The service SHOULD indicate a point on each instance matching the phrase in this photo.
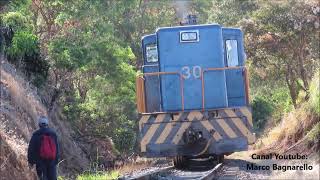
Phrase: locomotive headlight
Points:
(189, 36)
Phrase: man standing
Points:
(44, 151)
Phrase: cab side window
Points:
(232, 53)
(152, 53)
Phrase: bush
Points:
(16, 21)
(25, 53)
(22, 48)
(314, 99)
(124, 139)
(314, 133)
(261, 110)
(23, 44)
(272, 103)
(281, 103)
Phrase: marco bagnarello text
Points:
(277, 167)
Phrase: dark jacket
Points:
(34, 145)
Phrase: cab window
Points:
(232, 53)
(152, 53)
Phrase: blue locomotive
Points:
(193, 93)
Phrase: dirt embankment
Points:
(20, 107)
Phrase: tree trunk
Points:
(291, 83)
(301, 57)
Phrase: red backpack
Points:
(47, 148)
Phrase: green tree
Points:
(231, 12)
(22, 46)
(280, 41)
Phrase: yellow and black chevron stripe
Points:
(168, 128)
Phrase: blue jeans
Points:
(46, 170)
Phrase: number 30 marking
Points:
(187, 72)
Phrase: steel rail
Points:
(148, 175)
(151, 175)
(213, 173)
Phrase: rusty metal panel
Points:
(140, 94)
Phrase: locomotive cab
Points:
(151, 65)
(193, 93)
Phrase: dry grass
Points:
(19, 109)
(22, 95)
(296, 124)
(291, 129)
(298, 174)
(127, 169)
(141, 163)
(132, 167)
(13, 160)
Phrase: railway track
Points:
(171, 173)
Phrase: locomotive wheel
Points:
(220, 158)
(180, 162)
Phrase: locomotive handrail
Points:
(168, 73)
(247, 85)
(222, 69)
(246, 81)
(149, 65)
(140, 94)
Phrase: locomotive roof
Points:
(234, 29)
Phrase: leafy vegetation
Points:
(261, 110)
(314, 99)
(16, 21)
(282, 36)
(296, 124)
(315, 134)
(22, 47)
